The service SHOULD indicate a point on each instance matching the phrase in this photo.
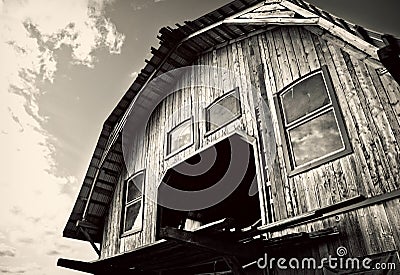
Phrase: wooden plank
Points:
(393, 214)
(90, 240)
(339, 189)
(270, 7)
(253, 60)
(244, 50)
(375, 151)
(299, 52)
(301, 194)
(291, 55)
(276, 167)
(356, 161)
(352, 39)
(387, 106)
(359, 54)
(386, 143)
(349, 173)
(214, 25)
(364, 136)
(274, 21)
(269, 14)
(309, 49)
(76, 265)
(211, 243)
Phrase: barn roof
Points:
(179, 47)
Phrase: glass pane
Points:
(223, 111)
(135, 185)
(180, 136)
(315, 139)
(133, 215)
(304, 98)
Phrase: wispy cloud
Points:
(25, 269)
(33, 201)
(6, 251)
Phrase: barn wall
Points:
(263, 65)
(370, 106)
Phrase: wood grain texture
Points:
(261, 66)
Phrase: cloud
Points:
(6, 251)
(11, 270)
(34, 199)
(26, 269)
(53, 253)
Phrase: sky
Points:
(63, 67)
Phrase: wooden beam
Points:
(275, 21)
(326, 212)
(89, 239)
(210, 242)
(363, 34)
(88, 225)
(300, 238)
(335, 30)
(275, 14)
(217, 225)
(212, 26)
(76, 265)
(270, 7)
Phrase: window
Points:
(223, 111)
(311, 122)
(133, 204)
(180, 137)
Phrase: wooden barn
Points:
(262, 130)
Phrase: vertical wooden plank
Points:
(299, 52)
(385, 129)
(309, 49)
(277, 168)
(346, 94)
(360, 177)
(293, 60)
(377, 124)
(276, 71)
(254, 62)
(246, 85)
(393, 93)
(282, 58)
(387, 106)
(393, 214)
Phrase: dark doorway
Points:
(233, 156)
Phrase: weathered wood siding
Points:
(266, 63)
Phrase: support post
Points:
(89, 239)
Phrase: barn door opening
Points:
(216, 183)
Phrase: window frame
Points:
(126, 204)
(215, 102)
(333, 107)
(168, 152)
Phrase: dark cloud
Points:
(7, 251)
(53, 252)
(8, 270)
